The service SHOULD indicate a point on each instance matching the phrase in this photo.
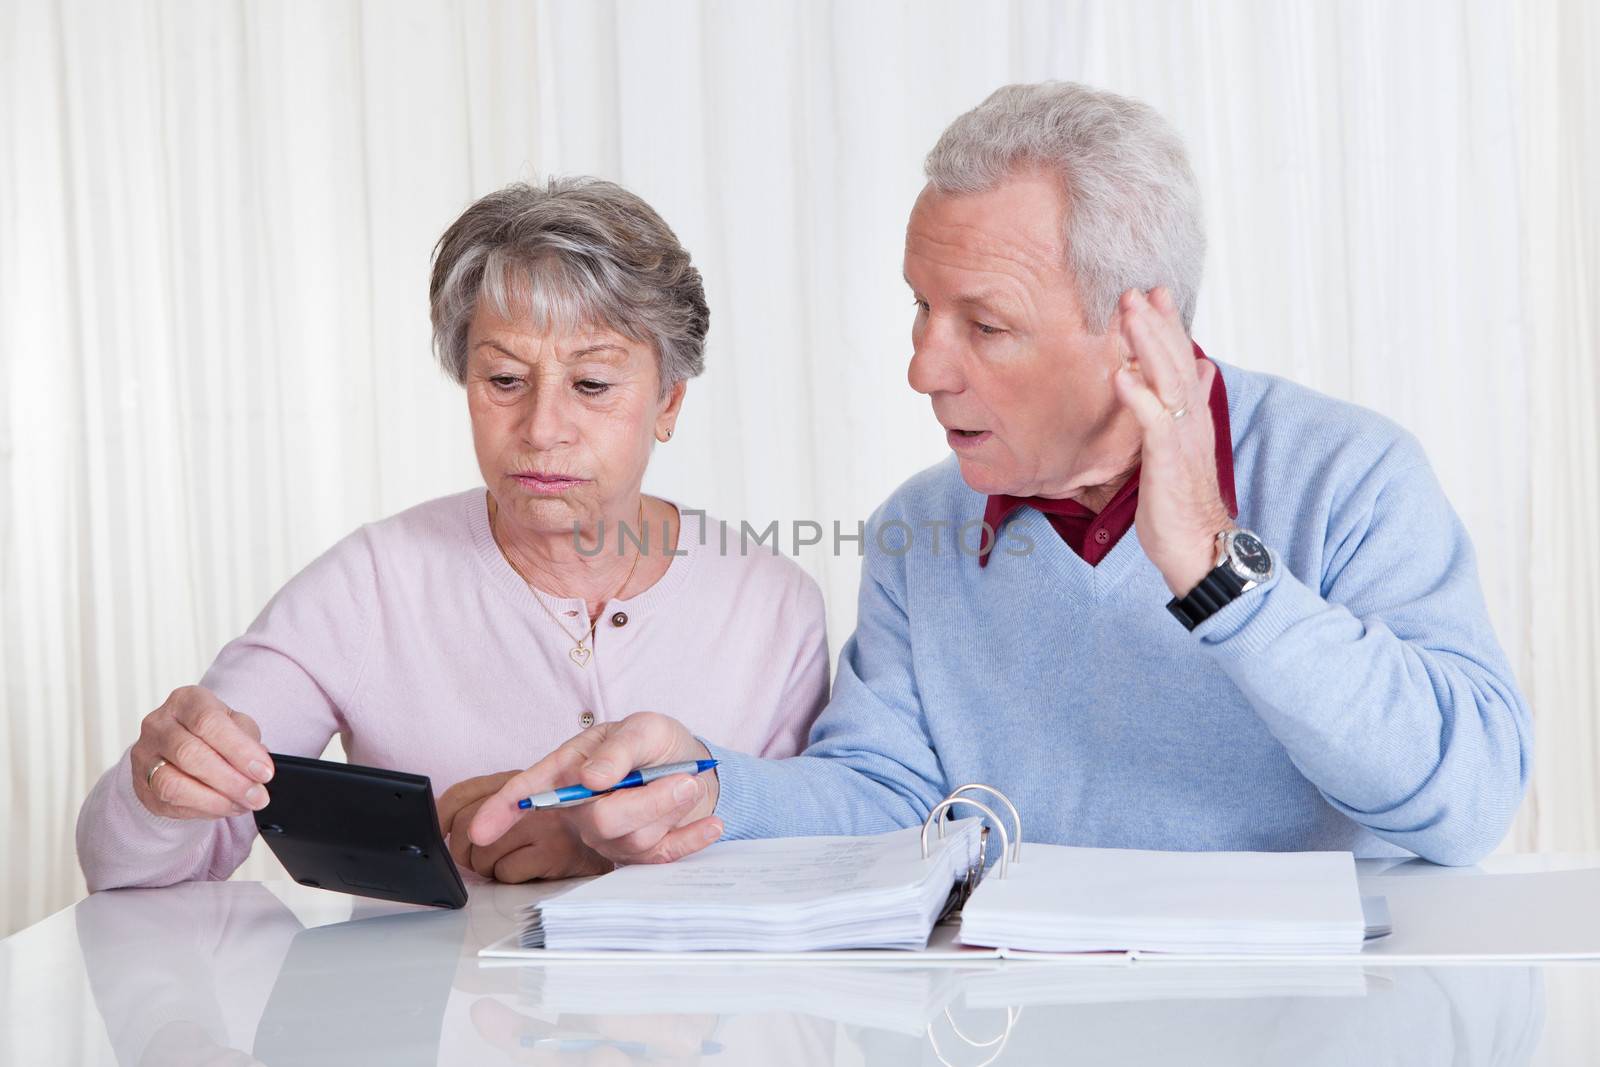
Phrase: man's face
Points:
(1021, 387)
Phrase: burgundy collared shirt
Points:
(1091, 535)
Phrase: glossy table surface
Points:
(229, 973)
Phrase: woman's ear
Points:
(667, 418)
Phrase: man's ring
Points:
(1180, 413)
(150, 775)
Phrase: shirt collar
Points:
(1119, 510)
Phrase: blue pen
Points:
(571, 794)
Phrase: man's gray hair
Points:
(573, 253)
(1134, 219)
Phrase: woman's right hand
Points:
(216, 765)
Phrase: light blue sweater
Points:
(1356, 701)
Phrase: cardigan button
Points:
(586, 719)
(619, 619)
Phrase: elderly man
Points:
(1127, 661)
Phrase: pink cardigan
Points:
(415, 641)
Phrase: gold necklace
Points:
(581, 652)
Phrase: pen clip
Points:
(579, 801)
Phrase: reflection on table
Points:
(230, 973)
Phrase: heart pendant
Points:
(580, 656)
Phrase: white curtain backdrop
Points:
(215, 224)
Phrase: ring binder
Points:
(951, 801)
(1009, 844)
(1066, 900)
(1016, 842)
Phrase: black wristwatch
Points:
(1243, 562)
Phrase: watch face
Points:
(1250, 556)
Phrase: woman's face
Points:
(562, 423)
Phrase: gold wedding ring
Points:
(150, 775)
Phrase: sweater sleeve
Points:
(871, 764)
(294, 671)
(1385, 682)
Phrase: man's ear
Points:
(1117, 345)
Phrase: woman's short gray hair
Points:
(573, 253)
(1134, 219)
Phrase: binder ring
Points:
(950, 802)
(1016, 819)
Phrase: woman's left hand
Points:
(539, 844)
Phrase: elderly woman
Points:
(475, 632)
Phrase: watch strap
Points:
(1216, 591)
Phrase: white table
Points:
(243, 972)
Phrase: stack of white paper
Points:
(781, 895)
(1060, 899)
